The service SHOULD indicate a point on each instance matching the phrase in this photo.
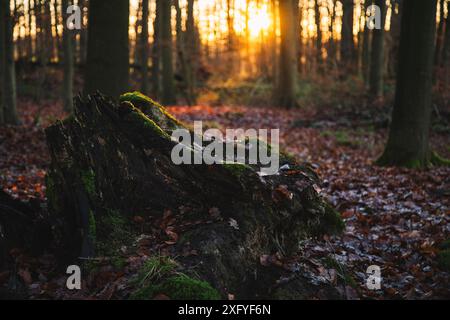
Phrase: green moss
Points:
(237, 169)
(444, 259)
(92, 226)
(341, 270)
(149, 106)
(50, 191)
(158, 276)
(113, 232)
(141, 121)
(332, 220)
(179, 287)
(342, 138)
(445, 245)
(88, 179)
(437, 160)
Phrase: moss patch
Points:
(114, 231)
(437, 160)
(158, 276)
(343, 274)
(151, 108)
(88, 180)
(444, 259)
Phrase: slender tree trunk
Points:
(285, 95)
(57, 39)
(68, 62)
(377, 56)
(137, 50)
(2, 60)
(318, 34)
(332, 43)
(440, 39)
(446, 54)
(144, 46)
(107, 67)
(366, 46)
(298, 11)
(394, 37)
(231, 37)
(83, 42)
(409, 132)
(168, 88)
(156, 51)
(347, 43)
(9, 94)
(192, 53)
(274, 43)
(30, 53)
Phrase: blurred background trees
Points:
(281, 53)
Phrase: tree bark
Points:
(68, 60)
(9, 93)
(287, 76)
(347, 43)
(156, 51)
(145, 47)
(318, 35)
(366, 46)
(168, 87)
(409, 132)
(107, 67)
(192, 53)
(115, 159)
(377, 56)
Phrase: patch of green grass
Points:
(342, 138)
(341, 270)
(444, 259)
(88, 179)
(158, 276)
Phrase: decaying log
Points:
(114, 159)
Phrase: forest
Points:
(224, 150)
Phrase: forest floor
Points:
(395, 218)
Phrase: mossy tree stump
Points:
(115, 157)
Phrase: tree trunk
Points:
(366, 47)
(347, 43)
(192, 53)
(113, 162)
(446, 54)
(108, 49)
(377, 56)
(83, 39)
(168, 87)
(68, 60)
(394, 38)
(318, 35)
(9, 94)
(287, 81)
(156, 51)
(144, 46)
(409, 132)
(440, 39)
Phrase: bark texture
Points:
(408, 142)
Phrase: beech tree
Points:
(409, 131)
(168, 87)
(8, 70)
(377, 56)
(287, 75)
(107, 68)
(68, 58)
